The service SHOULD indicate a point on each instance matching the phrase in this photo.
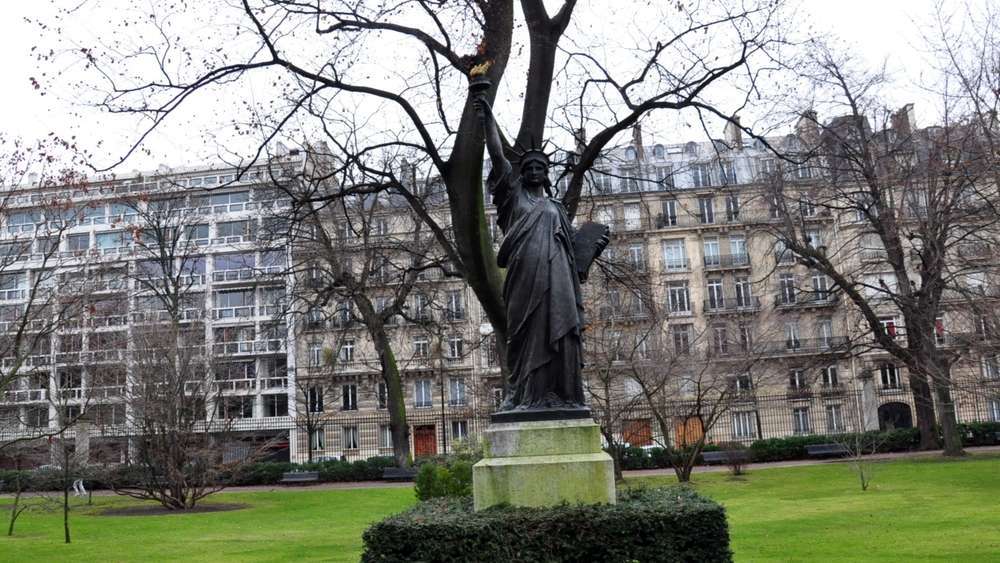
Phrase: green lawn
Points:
(915, 510)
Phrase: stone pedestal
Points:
(544, 463)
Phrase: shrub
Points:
(980, 433)
(794, 447)
(671, 524)
(437, 481)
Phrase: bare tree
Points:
(685, 57)
(364, 257)
(913, 205)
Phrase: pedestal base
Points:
(544, 463)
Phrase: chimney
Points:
(903, 121)
(580, 139)
(733, 133)
(637, 142)
(807, 128)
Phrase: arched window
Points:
(658, 151)
(630, 153)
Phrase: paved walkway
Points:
(978, 451)
(752, 466)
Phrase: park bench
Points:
(399, 474)
(299, 477)
(725, 456)
(827, 450)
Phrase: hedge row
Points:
(267, 473)
(794, 447)
(670, 524)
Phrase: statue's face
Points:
(534, 172)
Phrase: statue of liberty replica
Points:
(544, 446)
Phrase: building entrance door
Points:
(424, 440)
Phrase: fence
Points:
(744, 418)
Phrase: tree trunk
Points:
(66, 512)
(923, 404)
(396, 400)
(949, 423)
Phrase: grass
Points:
(915, 510)
(928, 509)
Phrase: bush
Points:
(980, 433)
(671, 524)
(794, 447)
(436, 480)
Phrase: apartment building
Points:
(694, 280)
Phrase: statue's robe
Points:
(542, 295)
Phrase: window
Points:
(315, 355)
(701, 175)
(744, 425)
(459, 429)
(664, 177)
(456, 391)
(455, 308)
(229, 267)
(317, 440)
(346, 354)
(674, 255)
(786, 289)
(637, 257)
(382, 395)
(834, 418)
(828, 376)
(315, 399)
(350, 438)
(745, 331)
(940, 336)
(716, 299)
(196, 233)
(820, 286)
(742, 383)
(732, 207)
(236, 407)
(677, 293)
(744, 292)
(384, 436)
(421, 308)
(421, 347)
(766, 167)
(633, 217)
(792, 341)
(993, 407)
(668, 218)
(349, 393)
(797, 380)
(78, 243)
(807, 207)
(682, 338)
(728, 172)
(234, 231)
(706, 210)
(275, 405)
(738, 250)
(800, 420)
(422, 393)
(824, 332)
(498, 397)
(814, 238)
(710, 248)
(889, 326)
(991, 367)
(455, 347)
(889, 375)
(720, 340)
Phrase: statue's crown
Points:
(532, 153)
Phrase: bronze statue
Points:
(546, 260)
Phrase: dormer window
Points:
(658, 151)
(630, 153)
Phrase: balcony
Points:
(39, 360)
(236, 385)
(103, 356)
(240, 275)
(677, 265)
(726, 262)
(874, 254)
(795, 346)
(106, 392)
(730, 305)
(832, 390)
(12, 294)
(25, 395)
(223, 313)
(622, 314)
(805, 299)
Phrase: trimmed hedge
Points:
(265, 473)
(794, 447)
(668, 524)
(435, 480)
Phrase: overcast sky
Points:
(879, 30)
